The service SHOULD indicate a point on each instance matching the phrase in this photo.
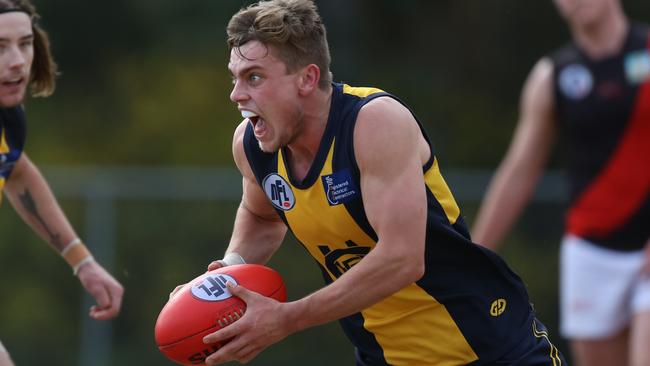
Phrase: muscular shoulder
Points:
(386, 129)
(385, 119)
(542, 71)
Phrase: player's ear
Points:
(309, 76)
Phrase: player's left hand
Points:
(263, 324)
(105, 289)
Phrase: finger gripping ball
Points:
(205, 305)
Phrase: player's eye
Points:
(254, 78)
(26, 44)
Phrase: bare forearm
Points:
(376, 277)
(518, 174)
(505, 199)
(256, 238)
(32, 198)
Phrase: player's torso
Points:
(324, 210)
(12, 141)
(603, 107)
(325, 213)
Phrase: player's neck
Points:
(302, 151)
(603, 39)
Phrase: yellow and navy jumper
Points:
(468, 307)
(12, 141)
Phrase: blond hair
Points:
(293, 27)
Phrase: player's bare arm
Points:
(258, 230)
(394, 197)
(516, 177)
(32, 198)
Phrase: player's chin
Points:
(12, 100)
(269, 147)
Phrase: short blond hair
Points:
(293, 27)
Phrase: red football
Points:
(205, 305)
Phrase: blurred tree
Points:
(145, 83)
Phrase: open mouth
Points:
(13, 82)
(259, 125)
(252, 117)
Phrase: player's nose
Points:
(16, 57)
(238, 92)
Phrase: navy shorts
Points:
(535, 350)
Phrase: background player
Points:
(25, 60)
(596, 90)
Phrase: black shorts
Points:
(534, 350)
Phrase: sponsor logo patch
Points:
(339, 187)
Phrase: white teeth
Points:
(247, 114)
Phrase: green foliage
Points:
(145, 83)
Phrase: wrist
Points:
(77, 268)
(297, 316)
(76, 254)
(232, 258)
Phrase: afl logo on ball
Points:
(213, 287)
(279, 192)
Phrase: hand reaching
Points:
(105, 289)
